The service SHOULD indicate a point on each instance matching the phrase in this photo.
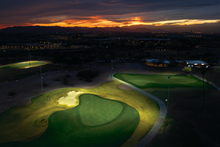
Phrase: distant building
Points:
(157, 62)
(161, 49)
(196, 63)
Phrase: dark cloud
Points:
(74, 2)
(14, 12)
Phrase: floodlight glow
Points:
(70, 99)
(187, 63)
(195, 64)
(202, 64)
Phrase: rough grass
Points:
(160, 81)
(28, 123)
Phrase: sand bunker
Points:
(124, 87)
(70, 99)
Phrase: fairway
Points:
(104, 116)
(25, 64)
(160, 81)
(68, 128)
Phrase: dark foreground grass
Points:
(160, 81)
(66, 127)
(185, 108)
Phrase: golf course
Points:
(160, 81)
(26, 64)
(20, 70)
(17, 71)
(101, 116)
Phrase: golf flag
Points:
(169, 77)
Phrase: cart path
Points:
(162, 114)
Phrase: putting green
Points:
(25, 64)
(159, 81)
(96, 111)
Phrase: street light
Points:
(168, 97)
(203, 70)
(41, 75)
(30, 57)
(111, 68)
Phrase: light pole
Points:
(168, 97)
(203, 70)
(30, 57)
(41, 76)
(111, 68)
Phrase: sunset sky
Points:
(201, 15)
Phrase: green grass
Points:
(45, 122)
(24, 64)
(160, 81)
(66, 129)
(168, 73)
(97, 111)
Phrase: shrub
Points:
(88, 75)
(67, 75)
(11, 93)
(57, 79)
(65, 82)
(187, 69)
(45, 84)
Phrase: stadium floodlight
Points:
(168, 97)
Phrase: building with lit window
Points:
(196, 63)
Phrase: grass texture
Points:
(160, 81)
(116, 118)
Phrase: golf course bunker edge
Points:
(70, 99)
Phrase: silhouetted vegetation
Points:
(11, 93)
(65, 81)
(57, 79)
(45, 84)
(67, 76)
(88, 75)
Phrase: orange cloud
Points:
(2, 26)
(97, 21)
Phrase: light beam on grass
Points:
(70, 99)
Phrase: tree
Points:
(89, 59)
(59, 59)
(187, 69)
